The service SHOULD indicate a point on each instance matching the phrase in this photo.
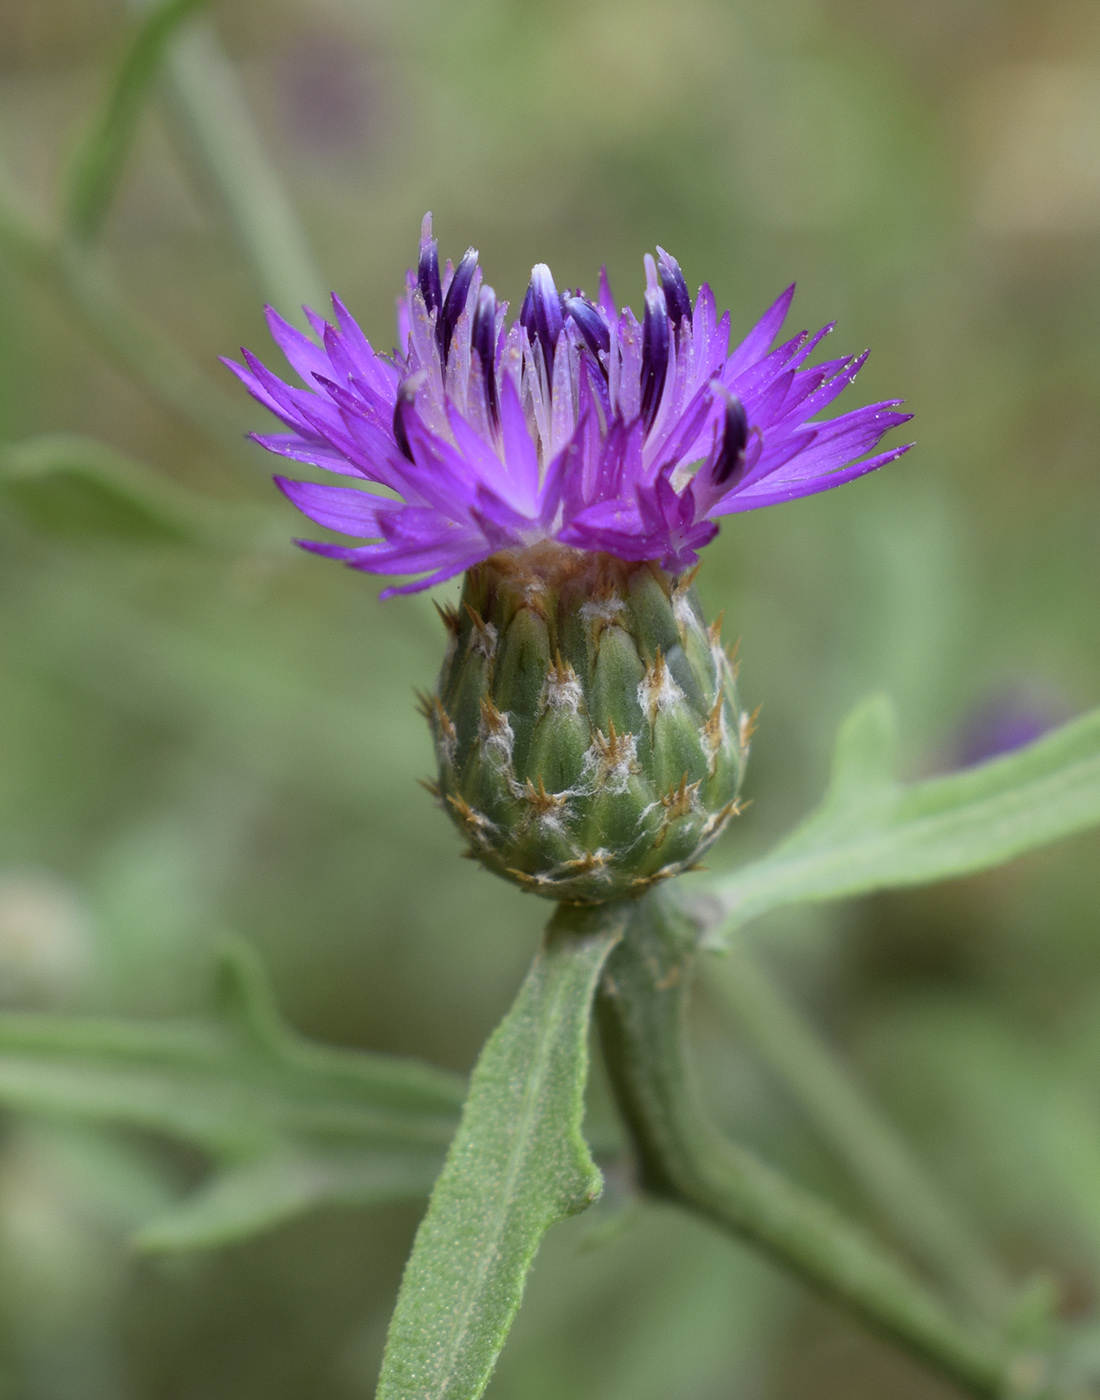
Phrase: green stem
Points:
(209, 108)
(682, 1158)
(867, 1145)
(78, 276)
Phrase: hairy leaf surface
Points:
(517, 1165)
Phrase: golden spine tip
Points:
(746, 727)
(448, 616)
(685, 581)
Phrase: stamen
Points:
(729, 467)
(655, 344)
(590, 324)
(674, 288)
(427, 275)
(485, 346)
(455, 301)
(541, 314)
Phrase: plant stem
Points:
(79, 277)
(682, 1158)
(875, 1156)
(209, 108)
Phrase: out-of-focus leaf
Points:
(209, 108)
(242, 1201)
(670, 1310)
(98, 160)
(518, 1164)
(76, 487)
(1009, 1120)
(873, 832)
(292, 1123)
(240, 684)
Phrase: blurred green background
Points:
(217, 732)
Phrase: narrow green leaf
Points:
(210, 112)
(517, 1165)
(98, 160)
(872, 832)
(74, 487)
(262, 1193)
(82, 282)
(295, 1123)
(70, 485)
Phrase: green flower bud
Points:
(586, 723)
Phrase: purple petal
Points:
(340, 508)
(298, 449)
(795, 490)
(520, 457)
(758, 341)
(304, 357)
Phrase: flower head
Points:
(575, 423)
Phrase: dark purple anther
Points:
(485, 345)
(427, 273)
(590, 324)
(541, 314)
(454, 303)
(674, 288)
(655, 344)
(406, 397)
(730, 464)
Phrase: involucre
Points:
(586, 722)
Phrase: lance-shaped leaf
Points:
(873, 832)
(289, 1123)
(517, 1165)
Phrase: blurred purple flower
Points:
(576, 423)
(325, 88)
(1007, 721)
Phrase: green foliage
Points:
(210, 113)
(873, 832)
(518, 1164)
(1011, 1123)
(98, 160)
(75, 487)
(862, 1138)
(150, 700)
(289, 1124)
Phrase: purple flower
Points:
(577, 422)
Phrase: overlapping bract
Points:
(577, 422)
